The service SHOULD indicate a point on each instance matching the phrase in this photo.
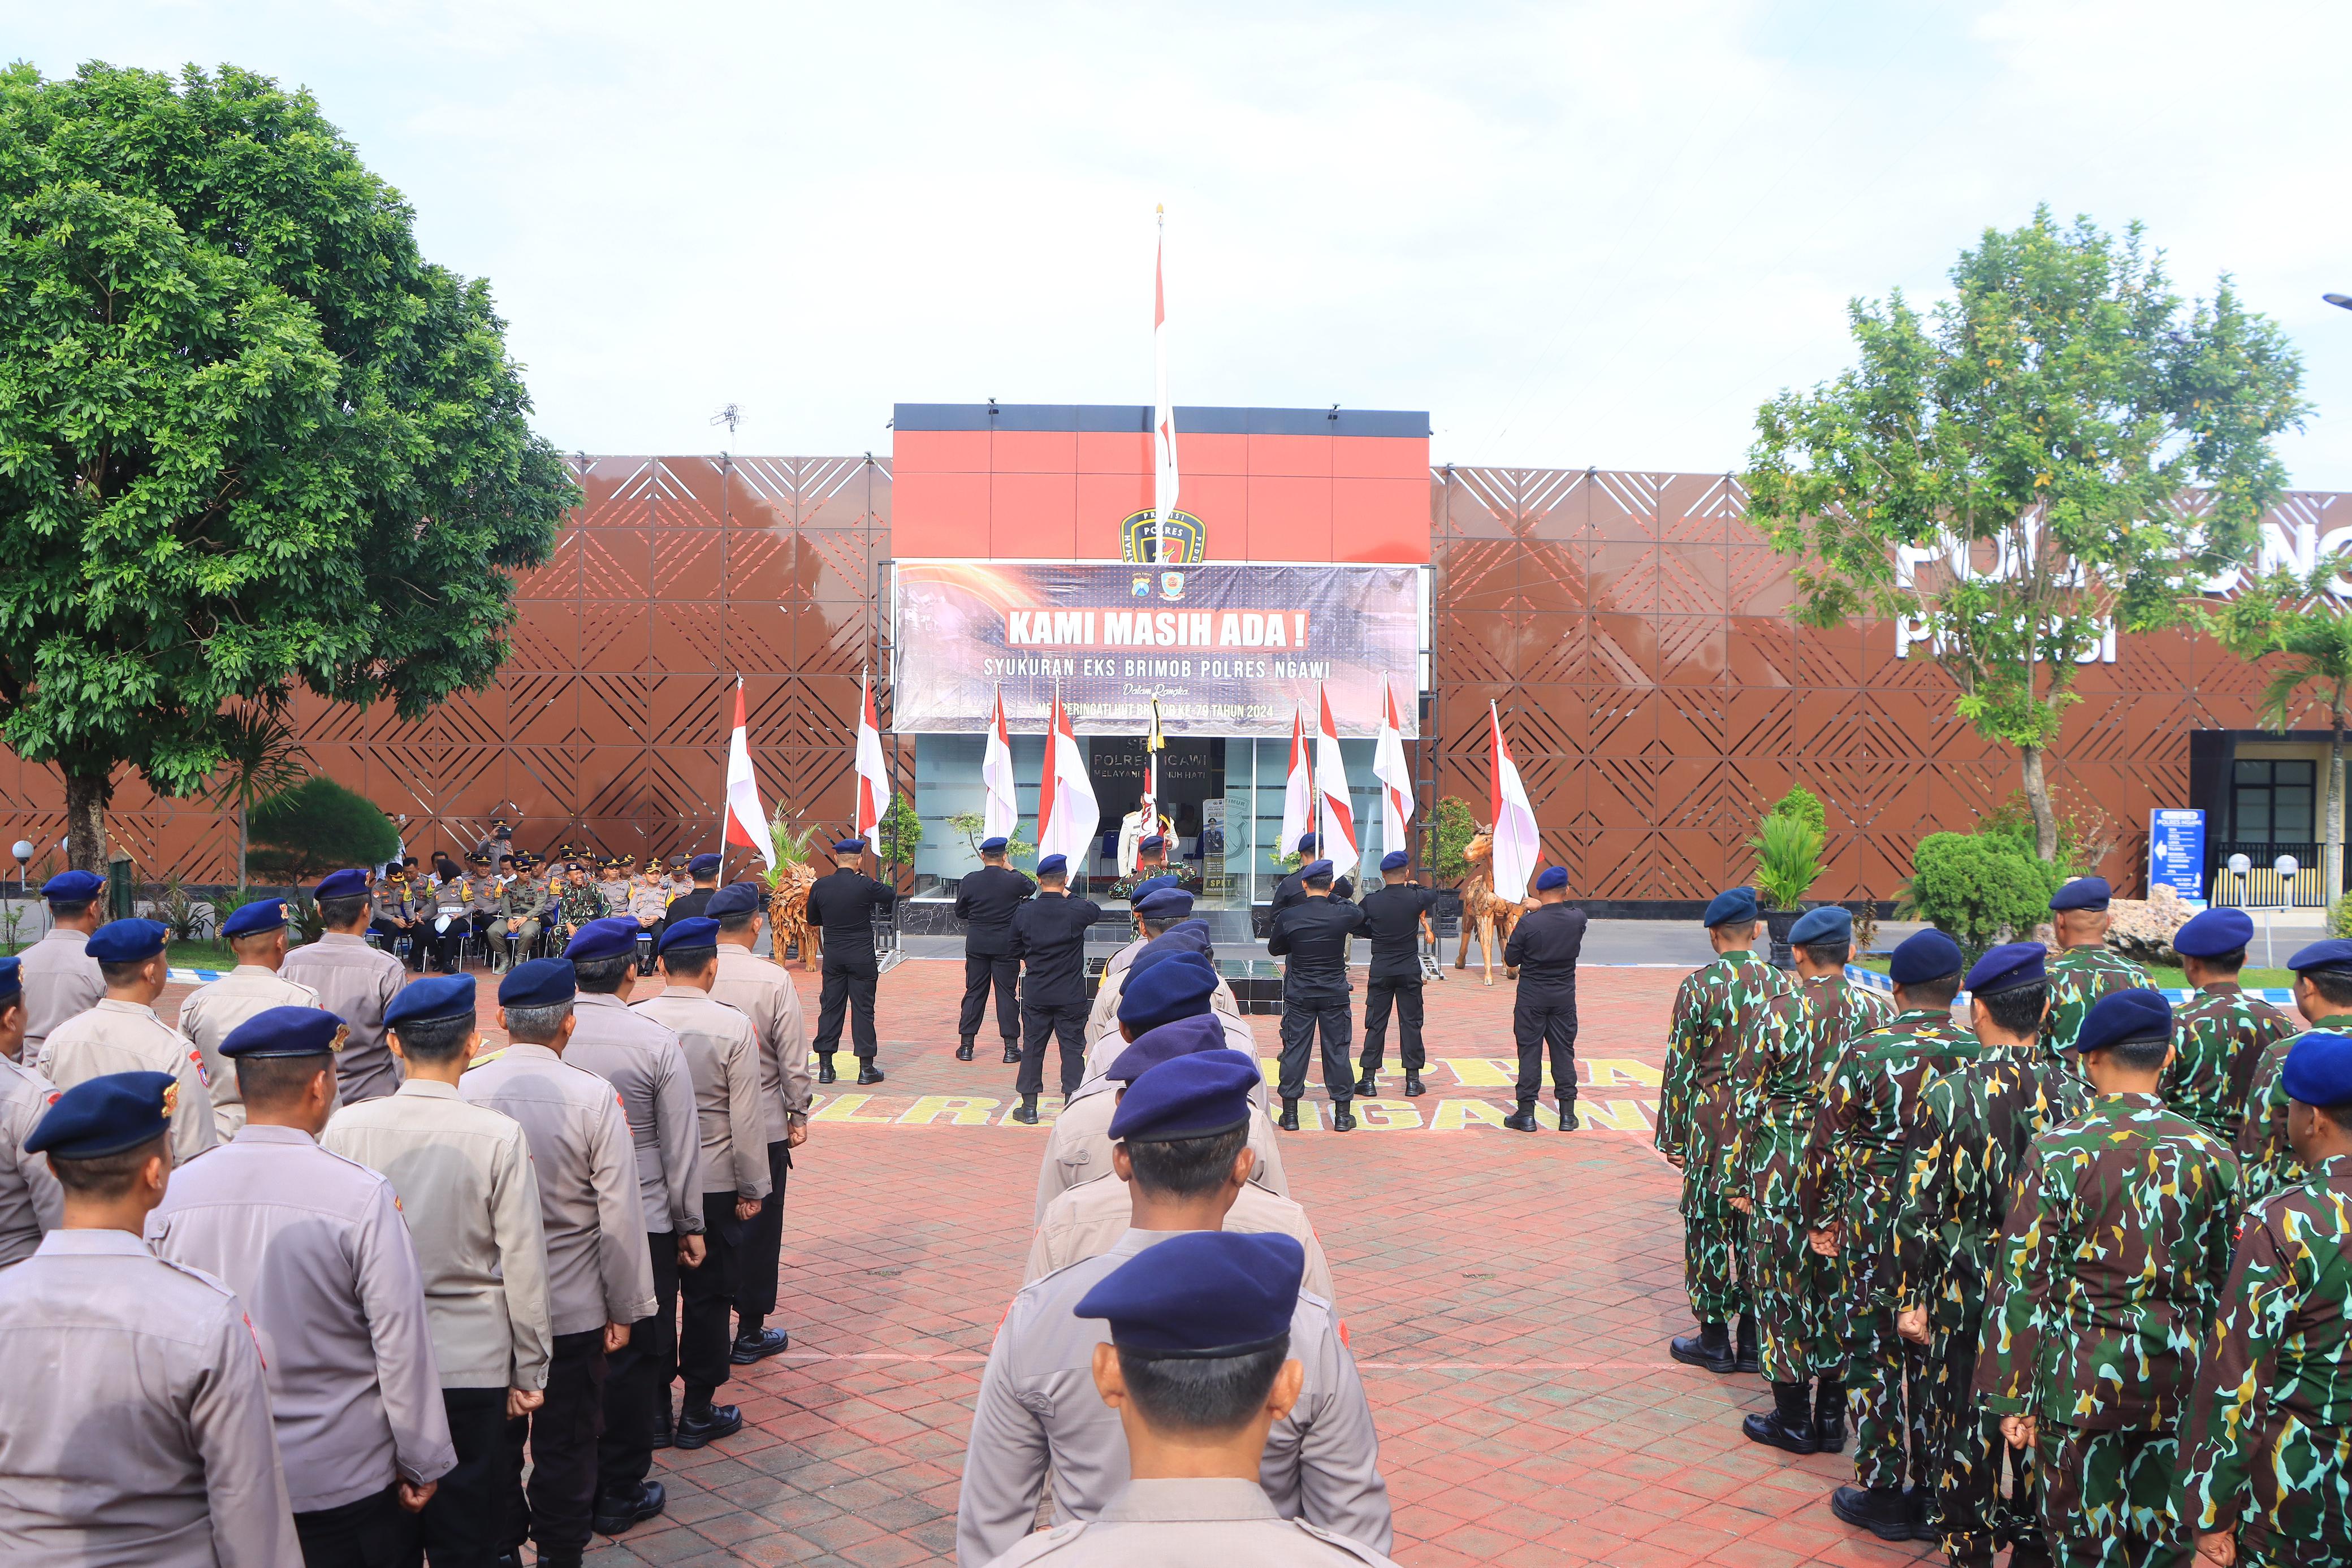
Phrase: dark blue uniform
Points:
(842, 906)
(1312, 935)
(985, 901)
(1544, 948)
(1292, 890)
(1393, 915)
(1049, 934)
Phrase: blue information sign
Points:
(2175, 853)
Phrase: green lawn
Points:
(2171, 979)
(197, 955)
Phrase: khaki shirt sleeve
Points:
(1041, 1256)
(244, 1488)
(1340, 1484)
(678, 1126)
(41, 1188)
(792, 1055)
(747, 1120)
(191, 1118)
(627, 1266)
(1316, 1280)
(521, 1236)
(1004, 1463)
(391, 1294)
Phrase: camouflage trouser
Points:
(2111, 1500)
(1715, 1251)
(1797, 1305)
(1967, 1455)
(1886, 1389)
(2299, 1507)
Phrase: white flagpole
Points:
(1163, 414)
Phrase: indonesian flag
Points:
(1067, 813)
(1389, 766)
(873, 777)
(1336, 828)
(747, 820)
(1517, 845)
(1164, 412)
(999, 813)
(1298, 793)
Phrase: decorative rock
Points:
(2141, 929)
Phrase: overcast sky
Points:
(1575, 234)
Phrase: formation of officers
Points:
(303, 1276)
(2080, 1270)
(509, 905)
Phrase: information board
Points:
(2175, 853)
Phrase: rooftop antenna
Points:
(731, 416)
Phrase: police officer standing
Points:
(256, 934)
(187, 1475)
(702, 872)
(1049, 936)
(353, 981)
(1396, 913)
(2084, 970)
(1312, 935)
(842, 907)
(985, 902)
(763, 993)
(1543, 949)
(1291, 889)
(123, 1034)
(315, 1247)
(2219, 1037)
(61, 979)
(30, 1202)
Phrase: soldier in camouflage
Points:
(2323, 995)
(2084, 970)
(1976, 1124)
(2269, 1433)
(2219, 1038)
(1848, 1184)
(1778, 1083)
(2113, 1260)
(1714, 1011)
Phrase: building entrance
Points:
(1191, 796)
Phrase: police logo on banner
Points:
(1187, 541)
(1171, 584)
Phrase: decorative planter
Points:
(1780, 923)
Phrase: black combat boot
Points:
(708, 1425)
(964, 1052)
(1027, 1113)
(1289, 1122)
(1829, 1415)
(1744, 1352)
(1882, 1511)
(1568, 1121)
(869, 1074)
(1413, 1089)
(824, 1068)
(616, 1514)
(1522, 1120)
(1368, 1083)
(1710, 1347)
(1791, 1424)
(1012, 1052)
(1343, 1120)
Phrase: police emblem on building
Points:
(1186, 539)
(1171, 584)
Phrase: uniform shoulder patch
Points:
(203, 1075)
(483, 1058)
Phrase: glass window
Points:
(2275, 800)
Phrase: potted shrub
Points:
(1788, 845)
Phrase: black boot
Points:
(662, 1439)
(1791, 1424)
(1289, 1122)
(964, 1052)
(1522, 1120)
(1829, 1415)
(1710, 1347)
(1011, 1053)
(1367, 1085)
(754, 1344)
(1412, 1088)
(1568, 1121)
(1342, 1119)
(615, 1515)
(824, 1068)
(708, 1425)
(1027, 1113)
(867, 1072)
(1744, 1350)
(1881, 1510)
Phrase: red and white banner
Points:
(1297, 790)
(1517, 845)
(1395, 774)
(873, 777)
(1337, 824)
(1067, 813)
(747, 820)
(1000, 812)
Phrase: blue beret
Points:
(2082, 893)
(1551, 876)
(348, 883)
(1196, 1095)
(126, 941)
(1150, 842)
(1175, 987)
(612, 938)
(2333, 953)
(1395, 860)
(540, 983)
(1827, 924)
(261, 914)
(2214, 933)
(1165, 903)
(849, 846)
(1202, 1295)
(2121, 1017)
(995, 846)
(694, 931)
(1188, 938)
(1314, 869)
(1733, 907)
(106, 1116)
(2008, 967)
(702, 865)
(1185, 1037)
(285, 1031)
(1924, 956)
(434, 998)
(735, 898)
(12, 981)
(1306, 843)
(72, 887)
(1053, 865)
(2318, 1070)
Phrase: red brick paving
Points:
(1508, 1298)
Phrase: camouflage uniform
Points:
(2266, 1158)
(578, 903)
(1715, 1007)
(1777, 1086)
(1976, 1124)
(2218, 1040)
(2112, 1266)
(2269, 1421)
(2079, 977)
(1854, 1174)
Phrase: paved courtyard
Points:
(1507, 1297)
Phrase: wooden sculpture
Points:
(788, 912)
(1490, 917)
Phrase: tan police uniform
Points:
(314, 1246)
(763, 992)
(1185, 1523)
(210, 1011)
(116, 1036)
(1038, 1415)
(643, 1061)
(31, 1202)
(1102, 1019)
(356, 983)
(61, 981)
(1077, 1150)
(722, 1061)
(136, 1428)
(1088, 1221)
(1239, 1036)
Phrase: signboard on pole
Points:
(2175, 853)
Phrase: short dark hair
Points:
(1829, 952)
(71, 909)
(2018, 1011)
(341, 912)
(1319, 882)
(2139, 1055)
(273, 1079)
(2232, 962)
(1187, 1167)
(123, 974)
(2333, 985)
(433, 1039)
(109, 1177)
(1937, 992)
(1202, 1393)
(537, 1026)
(1156, 926)
(731, 923)
(242, 942)
(689, 960)
(602, 975)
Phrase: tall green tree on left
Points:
(249, 437)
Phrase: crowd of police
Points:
(2077, 1270)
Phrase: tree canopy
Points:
(248, 435)
(318, 826)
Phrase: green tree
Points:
(2294, 623)
(248, 435)
(2012, 472)
(970, 823)
(899, 834)
(1979, 888)
(259, 757)
(1446, 831)
(318, 826)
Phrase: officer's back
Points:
(1545, 947)
(1392, 915)
(985, 902)
(1312, 935)
(843, 904)
(1049, 932)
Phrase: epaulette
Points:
(195, 1273)
(1348, 1544)
(483, 1058)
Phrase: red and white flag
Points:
(1297, 792)
(1067, 813)
(747, 820)
(1517, 845)
(873, 777)
(1336, 828)
(1163, 411)
(1395, 774)
(1000, 811)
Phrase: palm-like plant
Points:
(792, 845)
(1788, 859)
(2293, 619)
(260, 759)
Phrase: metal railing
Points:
(2262, 887)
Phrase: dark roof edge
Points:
(1135, 418)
